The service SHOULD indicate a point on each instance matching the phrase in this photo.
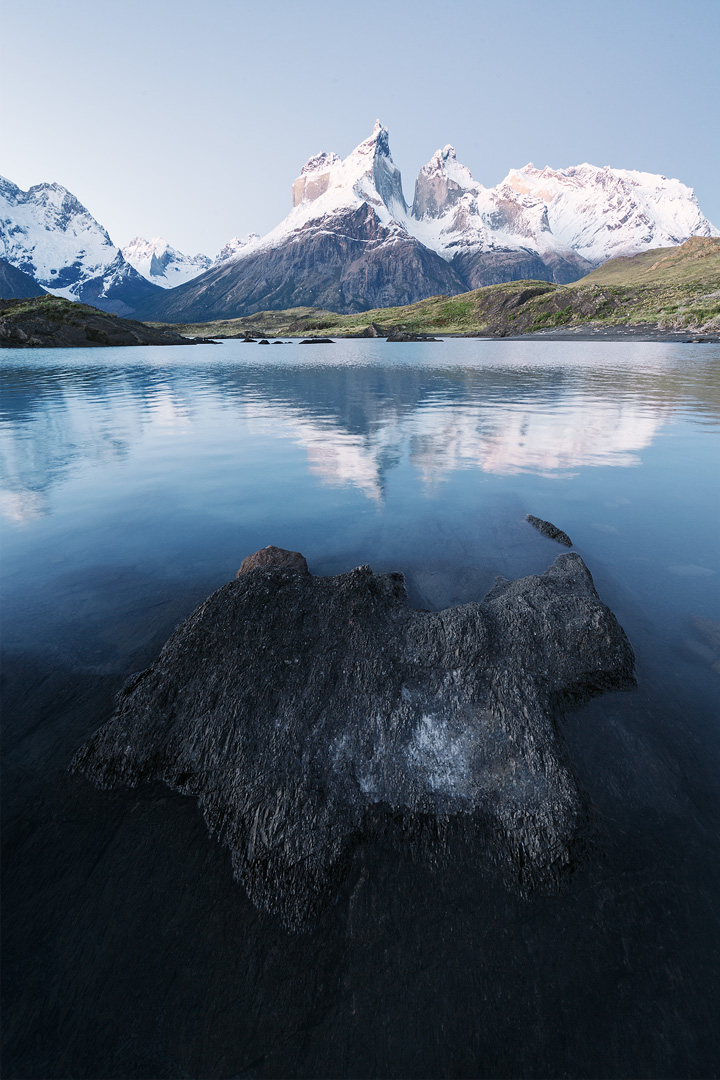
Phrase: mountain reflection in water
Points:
(354, 423)
(134, 481)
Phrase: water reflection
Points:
(354, 422)
(134, 483)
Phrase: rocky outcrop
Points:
(551, 531)
(51, 323)
(273, 556)
(300, 710)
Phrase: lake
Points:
(134, 482)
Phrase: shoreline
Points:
(638, 332)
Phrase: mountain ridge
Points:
(48, 234)
(661, 293)
(351, 242)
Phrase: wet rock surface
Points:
(551, 531)
(304, 712)
(273, 556)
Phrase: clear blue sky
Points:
(191, 119)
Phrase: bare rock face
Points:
(346, 264)
(298, 709)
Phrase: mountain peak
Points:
(162, 264)
(237, 246)
(441, 183)
(368, 173)
(319, 162)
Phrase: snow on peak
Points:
(319, 163)
(328, 187)
(162, 264)
(441, 183)
(47, 232)
(237, 246)
(603, 212)
(368, 173)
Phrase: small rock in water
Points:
(406, 336)
(299, 710)
(551, 531)
(317, 341)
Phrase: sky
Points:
(190, 120)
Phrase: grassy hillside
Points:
(51, 322)
(667, 288)
(694, 262)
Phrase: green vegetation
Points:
(517, 307)
(48, 307)
(667, 288)
(697, 261)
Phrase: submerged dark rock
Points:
(299, 710)
(551, 531)
(401, 335)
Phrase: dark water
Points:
(134, 482)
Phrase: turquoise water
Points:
(134, 481)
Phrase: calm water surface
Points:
(134, 481)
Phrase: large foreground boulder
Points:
(299, 708)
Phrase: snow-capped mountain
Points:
(239, 245)
(488, 234)
(602, 213)
(351, 243)
(344, 245)
(47, 233)
(163, 265)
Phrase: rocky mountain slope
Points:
(49, 235)
(351, 242)
(664, 292)
(14, 283)
(343, 246)
(488, 235)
